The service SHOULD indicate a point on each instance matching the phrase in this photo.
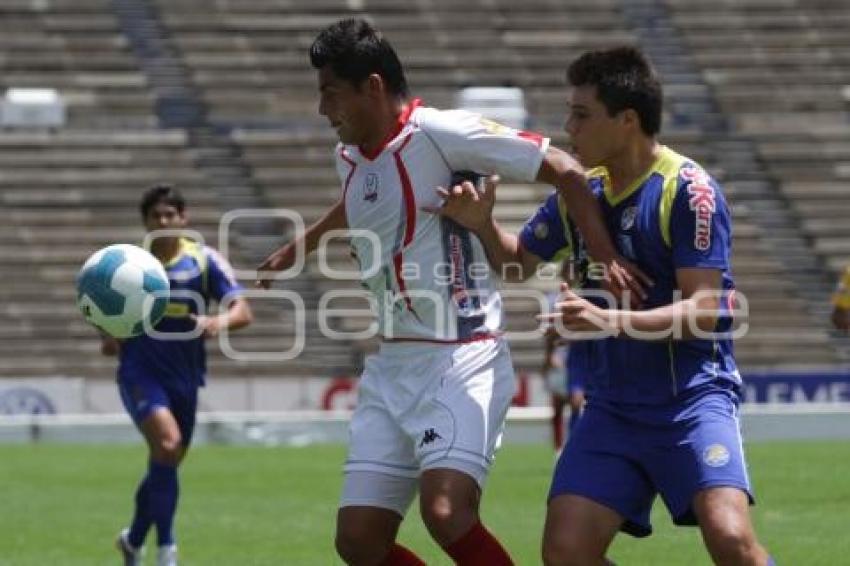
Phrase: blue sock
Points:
(163, 491)
(141, 516)
(771, 561)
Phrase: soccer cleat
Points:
(132, 556)
(167, 555)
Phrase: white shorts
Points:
(424, 406)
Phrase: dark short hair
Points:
(355, 50)
(624, 79)
(161, 193)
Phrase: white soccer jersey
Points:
(429, 276)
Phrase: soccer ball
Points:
(120, 287)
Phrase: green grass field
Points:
(62, 505)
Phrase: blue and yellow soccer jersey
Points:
(181, 362)
(674, 217)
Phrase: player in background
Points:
(662, 410)
(841, 303)
(442, 361)
(158, 377)
(564, 380)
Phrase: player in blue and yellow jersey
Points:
(663, 394)
(159, 375)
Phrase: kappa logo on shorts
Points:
(716, 455)
(430, 436)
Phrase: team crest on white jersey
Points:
(370, 188)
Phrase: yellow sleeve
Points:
(841, 297)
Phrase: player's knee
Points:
(733, 544)
(567, 550)
(355, 544)
(447, 520)
(168, 450)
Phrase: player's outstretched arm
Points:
(567, 175)
(238, 315)
(473, 209)
(693, 316)
(285, 256)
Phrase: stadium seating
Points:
(781, 75)
(77, 47)
(771, 72)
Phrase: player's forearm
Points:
(334, 219)
(585, 212)
(502, 249)
(565, 173)
(239, 315)
(306, 243)
(682, 320)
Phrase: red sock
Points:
(400, 556)
(478, 548)
(557, 423)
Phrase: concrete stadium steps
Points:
(78, 48)
(782, 74)
(66, 193)
(257, 44)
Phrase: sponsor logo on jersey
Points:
(702, 202)
(716, 456)
(460, 294)
(495, 128)
(370, 188)
(628, 218)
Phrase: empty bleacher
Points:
(75, 46)
(778, 76)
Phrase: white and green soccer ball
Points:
(120, 287)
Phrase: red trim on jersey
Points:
(532, 137)
(402, 120)
(474, 338)
(410, 220)
(350, 173)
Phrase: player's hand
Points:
(578, 315)
(272, 264)
(109, 346)
(626, 282)
(210, 325)
(465, 204)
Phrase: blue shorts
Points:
(622, 463)
(578, 367)
(142, 395)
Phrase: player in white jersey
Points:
(432, 401)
